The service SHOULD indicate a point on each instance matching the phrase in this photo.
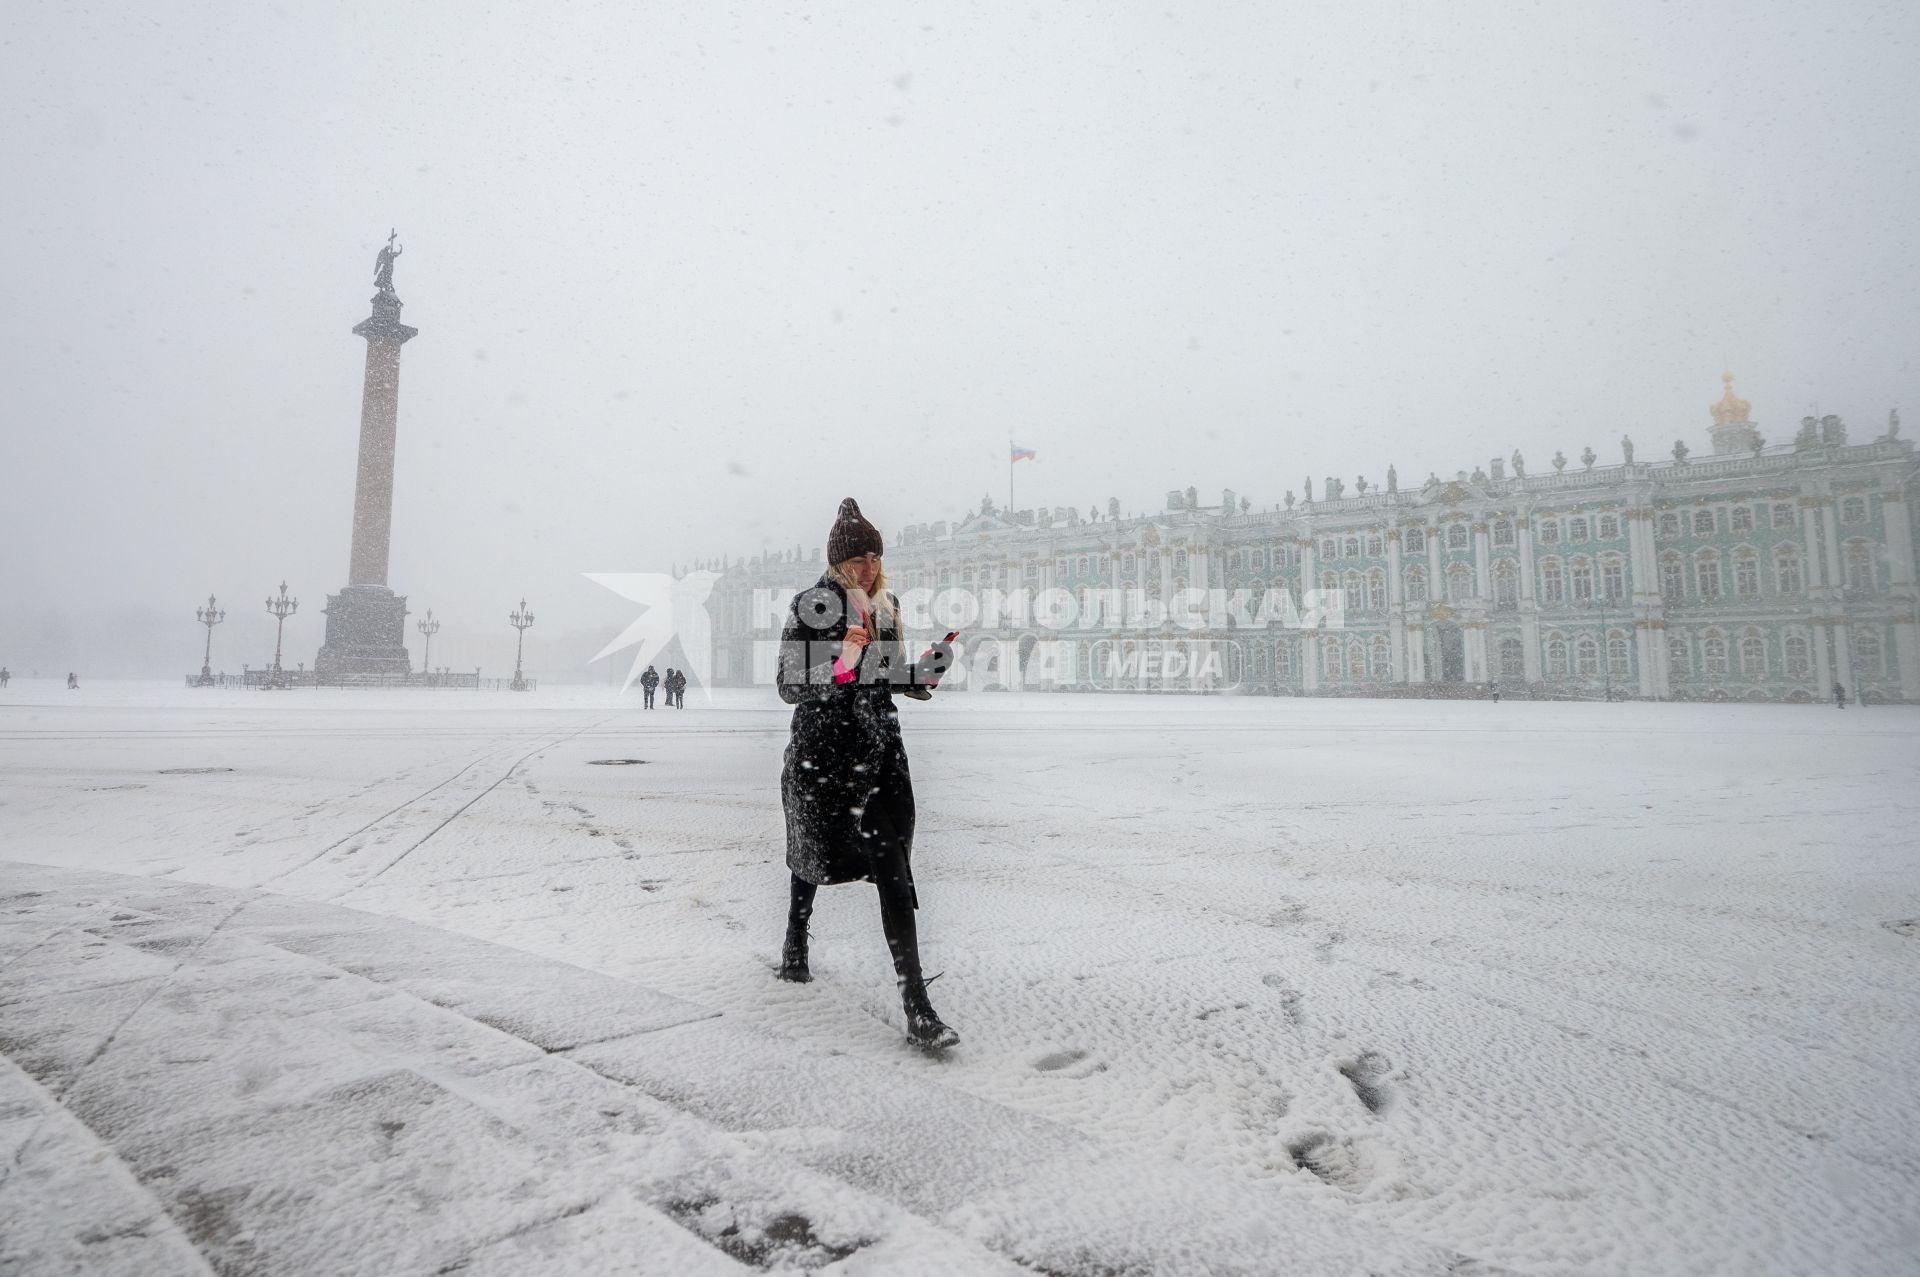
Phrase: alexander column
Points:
(366, 621)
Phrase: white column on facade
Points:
(1482, 565)
(1476, 651)
(1830, 522)
(1396, 608)
(1529, 604)
(1309, 638)
(1416, 652)
(1810, 533)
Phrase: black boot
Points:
(793, 955)
(924, 1026)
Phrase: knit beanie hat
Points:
(852, 536)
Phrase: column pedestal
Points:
(366, 633)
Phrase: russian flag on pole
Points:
(1022, 454)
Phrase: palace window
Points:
(1556, 653)
(1553, 587)
(1506, 585)
(1329, 586)
(1706, 571)
(1060, 566)
(1609, 527)
(1106, 564)
(1673, 577)
(1382, 659)
(1740, 519)
(1329, 549)
(1746, 574)
(1456, 536)
(1283, 659)
(1679, 658)
(1351, 547)
(1753, 657)
(1799, 656)
(1586, 656)
(1782, 515)
(1853, 510)
(1513, 660)
(1126, 563)
(1503, 532)
(1713, 656)
(1330, 661)
(1376, 589)
(1416, 585)
(1416, 541)
(1549, 532)
(1357, 661)
(1613, 577)
(1374, 547)
(1703, 523)
(1233, 560)
(1859, 565)
(1786, 569)
(1619, 655)
(1459, 583)
(1866, 650)
(1179, 560)
(1582, 575)
(1355, 597)
(1577, 528)
(1257, 560)
(1669, 526)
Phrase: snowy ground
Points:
(1468, 987)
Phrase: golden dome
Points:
(1731, 410)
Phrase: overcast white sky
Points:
(687, 274)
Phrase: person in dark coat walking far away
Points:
(845, 785)
(1839, 696)
(649, 681)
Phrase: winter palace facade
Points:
(1752, 572)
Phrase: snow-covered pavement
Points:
(1261, 985)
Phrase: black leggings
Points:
(888, 846)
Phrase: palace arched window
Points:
(1853, 510)
(1549, 532)
(1609, 527)
(1456, 536)
(1866, 650)
(1127, 563)
(1553, 582)
(1513, 659)
(1669, 526)
(1619, 654)
(1416, 585)
(1703, 524)
(1354, 591)
(1782, 516)
(1706, 572)
(1283, 659)
(1350, 548)
(1503, 532)
(1577, 528)
(1713, 655)
(1753, 655)
(1586, 656)
(1799, 658)
(1673, 577)
(1459, 582)
(1786, 569)
(1416, 541)
(1679, 658)
(1376, 589)
(1374, 546)
(1740, 519)
(1580, 574)
(1556, 653)
(1859, 565)
(1746, 572)
(1613, 577)
(1330, 661)
(1329, 584)
(1257, 560)
(1329, 549)
(1179, 560)
(1357, 661)
(1382, 659)
(1506, 585)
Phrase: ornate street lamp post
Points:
(208, 616)
(429, 627)
(281, 608)
(520, 621)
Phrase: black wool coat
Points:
(845, 753)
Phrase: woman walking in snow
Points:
(845, 784)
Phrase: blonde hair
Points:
(882, 601)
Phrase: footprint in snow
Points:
(1054, 1061)
(1367, 1074)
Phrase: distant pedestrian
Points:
(679, 689)
(73, 683)
(1494, 689)
(649, 681)
(1839, 696)
(4, 676)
